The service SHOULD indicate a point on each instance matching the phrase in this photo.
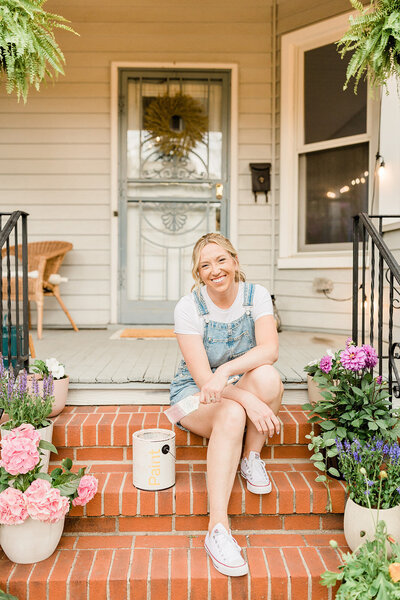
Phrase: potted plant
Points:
(372, 473)
(28, 48)
(353, 403)
(373, 38)
(33, 504)
(51, 366)
(26, 406)
(368, 572)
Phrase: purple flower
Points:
(379, 380)
(371, 357)
(356, 456)
(398, 490)
(349, 342)
(325, 364)
(347, 445)
(22, 382)
(35, 387)
(370, 483)
(353, 358)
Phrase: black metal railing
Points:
(14, 319)
(374, 292)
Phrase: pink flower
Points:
(353, 358)
(86, 490)
(349, 342)
(371, 356)
(20, 453)
(12, 507)
(26, 430)
(379, 380)
(325, 364)
(45, 503)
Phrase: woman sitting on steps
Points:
(225, 328)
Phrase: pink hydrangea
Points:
(325, 364)
(26, 430)
(45, 503)
(371, 356)
(13, 509)
(20, 453)
(86, 490)
(353, 358)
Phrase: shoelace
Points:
(259, 468)
(232, 546)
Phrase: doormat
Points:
(147, 333)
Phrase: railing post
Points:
(356, 240)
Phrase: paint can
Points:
(153, 459)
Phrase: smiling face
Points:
(217, 267)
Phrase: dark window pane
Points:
(333, 188)
(330, 112)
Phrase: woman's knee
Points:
(267, 381)
(230, 416)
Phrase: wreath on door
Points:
(176, 124)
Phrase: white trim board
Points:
(98, 395)
(233, 204)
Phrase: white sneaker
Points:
(253, 469)
(224, 552)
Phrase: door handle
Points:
(219, 191)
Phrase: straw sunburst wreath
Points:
(176, 123)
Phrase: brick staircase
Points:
(131, 544)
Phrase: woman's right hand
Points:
(262, 416)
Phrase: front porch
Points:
(106, 369)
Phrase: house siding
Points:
(55, 150)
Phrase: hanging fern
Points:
(28, 48)
(374, 40)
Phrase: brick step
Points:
(294, 491)
(103, 426)
(162, 567)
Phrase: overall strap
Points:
(200, 303)
(248, 294)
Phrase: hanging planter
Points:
(28, 48)
(176, 124)
(373, 38)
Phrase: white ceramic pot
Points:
(314, 392)
(60, 392)
(46, 433)
(60, 395)
(31, 541)
(359, 518)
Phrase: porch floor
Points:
(98, 356)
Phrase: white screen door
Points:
(168, 198)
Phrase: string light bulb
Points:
(381, 168)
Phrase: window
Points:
(326, 148)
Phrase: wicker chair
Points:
(46, 258)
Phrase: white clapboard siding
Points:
(55, 150)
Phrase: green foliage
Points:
(24, 404)
(28, 48)
(353, 405)
(362, 465)
(373, 38)
(364, 574)
(39, 366)
(4, 596)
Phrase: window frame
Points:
(294, 45)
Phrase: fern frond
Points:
(28, 48)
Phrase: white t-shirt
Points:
(188, 320)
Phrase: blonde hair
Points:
(212, 238)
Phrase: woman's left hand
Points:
(212, 390)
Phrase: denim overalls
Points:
(222, 342)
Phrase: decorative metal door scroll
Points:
(173, 182)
